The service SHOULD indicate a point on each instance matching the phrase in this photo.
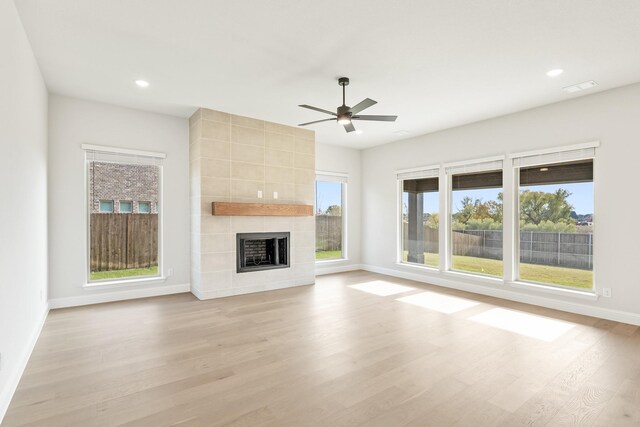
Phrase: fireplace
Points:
(262, 251)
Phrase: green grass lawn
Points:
(328, 255)
(118, 274)
(573, 277)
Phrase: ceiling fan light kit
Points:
(345, 115)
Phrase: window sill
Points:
(586, 295)
(482, 278)
(126, 282)
(418, 267)
(331, 261)
(457, 274)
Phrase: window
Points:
(420, 218)
(330, 216)
(106, 206)
(144, 207)
(476, 218)
(126, 206)
(556, 222)
(122, 246)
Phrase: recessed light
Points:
(358, 131)
(142, 83)
(555, 72)
(544, 169)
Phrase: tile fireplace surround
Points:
(232, 158)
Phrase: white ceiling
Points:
(434, 63)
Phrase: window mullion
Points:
(510, 224)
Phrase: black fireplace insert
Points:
(262, 251)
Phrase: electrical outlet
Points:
(275, 194)
(606, 292)
(169, 272)
(259, 194)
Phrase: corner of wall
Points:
(6, 393)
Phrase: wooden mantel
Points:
(260, 209)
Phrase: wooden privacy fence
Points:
(121, 241)
(328, 233)
(574, 250)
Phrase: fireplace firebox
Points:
(262, 251)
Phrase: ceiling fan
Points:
(345, 114)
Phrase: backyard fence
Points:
(564, 249)
(121, 241)
(328, 233)
(574, 250)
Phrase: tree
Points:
(479, 211)
(433, 221)
(548, 226)
(334, 210)
(467, 209)
(496, 210)
(539, 206)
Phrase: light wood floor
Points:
(328, 355)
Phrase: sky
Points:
(330, 193)
(581, 197)
(327, 194)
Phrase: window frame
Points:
(343, 179)
(562, 156)
(146, 204)
(125, 201)
(100, 202)
(160, 277)
(430, 171)
(486, 164)
(510, 227)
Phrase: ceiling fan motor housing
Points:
(343, 110)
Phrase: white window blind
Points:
(481, 166)
(418, 173)
(332, 177)
(556, 157)
(95, 153)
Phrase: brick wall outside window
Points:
(114, 181)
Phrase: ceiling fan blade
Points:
(317, 121)
(362, 105)
(349, 127)
(376, 118)
(317, 109)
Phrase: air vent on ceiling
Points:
(580, 86)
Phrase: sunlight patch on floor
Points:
(443, 303)
(530, 325)
(381, 288)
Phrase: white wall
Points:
(611, 117)
(23, 192)
(73, 122)
(331, 158)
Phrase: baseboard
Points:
(118, 295)
(204, 295)
(6, 394)
(332, 269)
(556, 304)
(228, 292)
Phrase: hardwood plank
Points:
(322, 355)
